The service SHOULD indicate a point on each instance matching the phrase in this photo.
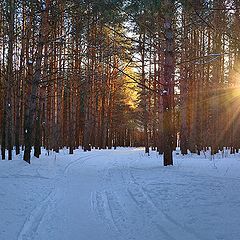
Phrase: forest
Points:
(107, 73)
(129, 113)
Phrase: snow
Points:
(119, 195)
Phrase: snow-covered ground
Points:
(119, 195)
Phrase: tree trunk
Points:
(32, 99)
(168, 85)
(9, 103)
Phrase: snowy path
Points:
(120, 195)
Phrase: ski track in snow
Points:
(35, 217)
(167, 225)
(110, 210)
(30, 226)
(79, 161)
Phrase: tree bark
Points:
(169, 67)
